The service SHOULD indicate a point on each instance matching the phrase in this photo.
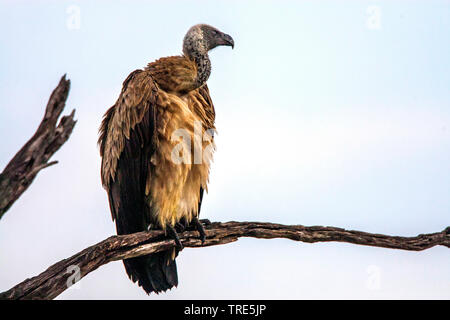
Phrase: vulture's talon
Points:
(200, 229)
(172, 233)
(180, 227)
(206, 222)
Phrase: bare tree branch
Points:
(34, 155)
(54, 280)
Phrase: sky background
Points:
(328, 113)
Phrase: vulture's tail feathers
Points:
(156, 272)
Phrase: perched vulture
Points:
(150, 141)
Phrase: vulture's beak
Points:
(226, 40)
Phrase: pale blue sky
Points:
(321, 121)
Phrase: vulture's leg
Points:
(172, 233)
(199, 226)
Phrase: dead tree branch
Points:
(54, 280)
(34, 155)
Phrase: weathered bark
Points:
(54, 280)
(34, 155)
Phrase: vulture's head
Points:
(202, 37)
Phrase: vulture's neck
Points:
(203, 67)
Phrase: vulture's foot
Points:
(180, 227)
(199, 226)
(172, 233)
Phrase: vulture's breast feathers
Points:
(156, 143)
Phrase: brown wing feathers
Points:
(128, 139)
(126, 146)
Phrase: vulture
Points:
(150, 141)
